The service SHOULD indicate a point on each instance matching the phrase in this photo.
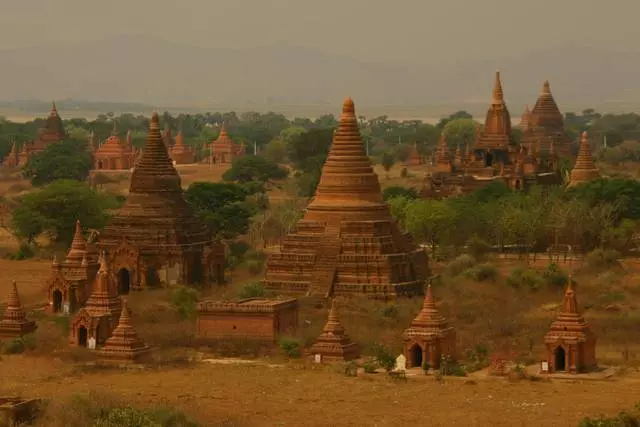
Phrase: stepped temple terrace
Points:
(495, 156)
(430, 337)
(53, 131)
(155, 237)
(347, 243)
(570, 342)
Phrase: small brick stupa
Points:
(429, 337)
(99, 317)
(180, 153)
(333, 344)
(347, 243)
(224, 150)
(443, 157)
(124, 345)
(157, 230)
(570, 342)
(584, 169)
(14, 321)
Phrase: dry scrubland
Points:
(273, 390)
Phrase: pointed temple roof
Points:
(584, 169)
(348, 186)
(167, 137)
(78, 246)
(124, 343)
(14, 321)
(103, 300)
(525, 119)
(414, 158)
(113, 146)
(155, 211)
(545, 113)
(497, 126)
(53, 125)
(179, 147)
(443, 156)
(429, 322)
(333, 343)
(569, 324)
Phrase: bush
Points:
(555, 277)
(384, 357)
(252, 290)
(460, 264)
(478, 248)
(481, 273)
(525, 278)
(602, 259)
(370, 366)
(254, 261)
(389, 310)
(25, 251)
(184, 300)
(290, 346)
(20, 345)
(399, 191)
(623, 419)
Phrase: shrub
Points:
(525, 278)
(370, 366)
(252, 290)
(20, 345)
(481, 273)
(389, 310)
(399, 191)
(602, 259)
(478, 248)
(351, 369)
(25, 251)
(254, 261)
(184, 300)
(384, 357)
(237, 252)
(623, 419)
(404, 173)
(460, 264)
(290, 347)
(555, 277)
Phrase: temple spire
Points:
(114, 131)
(570, 303)
(54, 109)
(498, 94)
(546, 88)
(584, 168)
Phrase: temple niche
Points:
(224, 149)
(494, 156)
(347, 243)
(430, 337)
(584, 169)
(180, 153)
(70, 283)
(155, 237)
(570, 342)
(544, 125)
(115, 154)
(53, 131)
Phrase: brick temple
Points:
(430, 337)
(115, 154)
(180, 153)
(333, 344)
(53, 131)
(570, 342)
(584, 169)
(124, 345)
(224, 149)
(70, 282)
(14, 322)
(155, 237)
(347, 243)
(495, 155)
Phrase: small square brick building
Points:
(259, 319)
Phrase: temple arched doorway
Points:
(488, 159)
(416, 356)
(57, 301)
(560, 357)
(82, 336)
(518, 185)
(99, 164)
(124, 281)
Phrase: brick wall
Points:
(232, 326)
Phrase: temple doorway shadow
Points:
(124, 281)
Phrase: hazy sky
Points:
(418, 30)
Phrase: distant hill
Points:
(142, 70)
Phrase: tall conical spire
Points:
(103, 298)
(154, 171)
(570, 303)
(78, 246)
(429, 316)
(54, 109)
(114, 131)
(333, 325)
(584, 168)
(546, 88)
(13, 300)
(498, 95)
(348, 185)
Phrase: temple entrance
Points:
(57, 301)
(488, 159)
(124, 281)
(416, 356)
(518, 185)
(99, 164)
(82, 336)
(153, 278)
(560, 360)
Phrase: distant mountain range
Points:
(142, 70)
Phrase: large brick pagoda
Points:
(156, 237)
(347, 243)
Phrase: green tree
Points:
(276, 151)
(254, 168)
(429, 221)
(55, 208)
(222, 206)
(460, 132)
(60, 160)
(305, 149)
(398, 191)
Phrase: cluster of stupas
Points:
(495, 156)
(347, 243)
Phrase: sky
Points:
(418, 31)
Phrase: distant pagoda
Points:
(347, 242)
(584, 169)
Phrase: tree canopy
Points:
(60, 160)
